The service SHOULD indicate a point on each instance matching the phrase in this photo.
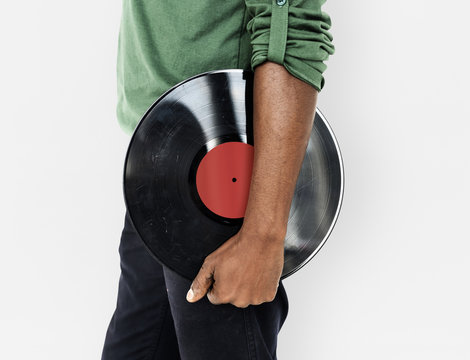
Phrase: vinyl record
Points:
(188, 168)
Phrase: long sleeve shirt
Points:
(163, 42)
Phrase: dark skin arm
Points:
(246, 268)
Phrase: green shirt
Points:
(163, 42)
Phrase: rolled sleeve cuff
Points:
(295, 36)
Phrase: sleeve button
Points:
(280, 2)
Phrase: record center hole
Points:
(234, 179)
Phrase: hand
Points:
(244, 270)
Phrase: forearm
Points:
(283, 113)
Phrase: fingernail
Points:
(190, 295)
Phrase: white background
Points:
(390, 283)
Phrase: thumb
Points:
(201, 283)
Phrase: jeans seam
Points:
(249, 333)
(153, 348)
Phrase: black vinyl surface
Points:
(183, 125)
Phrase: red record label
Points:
(223, 178)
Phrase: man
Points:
(236, 305)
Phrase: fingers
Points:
(201, 283)
(214, 299)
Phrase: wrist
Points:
(265, 231)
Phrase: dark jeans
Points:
(153, 320)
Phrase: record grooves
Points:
(188, 167)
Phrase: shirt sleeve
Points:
(293, 33)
